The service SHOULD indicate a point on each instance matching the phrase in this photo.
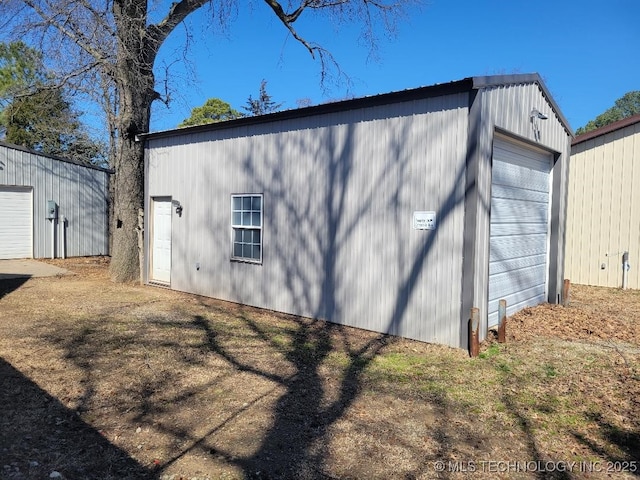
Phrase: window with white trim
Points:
(246, 227)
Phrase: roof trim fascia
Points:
(459, 86)
(612, 127)
(55, 157)
(326, 108)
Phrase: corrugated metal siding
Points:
(80, 192)
(339, 193)
(603, 217)
(507, 108)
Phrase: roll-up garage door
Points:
(519, 236)
(15, 222)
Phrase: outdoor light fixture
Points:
(176, 204)
(534, 116)
(535, 113)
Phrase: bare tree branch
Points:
(110, 48)
(178, 12)
(74, 33)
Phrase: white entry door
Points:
(519, 238)
(161, 240)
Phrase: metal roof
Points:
(458, 86)
(612, 127)
(55, 157)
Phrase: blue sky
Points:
(586, 51)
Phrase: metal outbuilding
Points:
(395, 213)
(50, 206)
(603, 219)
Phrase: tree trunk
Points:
(135, 83)
(137, 94)
(128, 198)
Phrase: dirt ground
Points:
(108, 381)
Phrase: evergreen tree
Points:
(263, 104)
(35, 114)
(214, 110)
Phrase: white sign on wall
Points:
(424, 220)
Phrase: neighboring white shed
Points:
(395, 213)
(31, 183)
(603, 220)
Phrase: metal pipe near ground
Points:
(625, 269)
(502, 321)
(566, 286)
(63, 245)
(474, 327)
(53, 238)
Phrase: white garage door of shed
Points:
(15, 223)
(519, 238)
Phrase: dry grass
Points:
(110, 381)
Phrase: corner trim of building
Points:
(471, 197)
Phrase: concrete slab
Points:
(28, 268)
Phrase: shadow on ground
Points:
(62, 442)
(8, 285)
(627, 443)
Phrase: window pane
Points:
(246, 222)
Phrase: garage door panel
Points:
(510, 175)
(519, 300)
(506, 248)
(519, 226)
(516, 302)
(503, 283)
(514, 193)
(508, 229)
(521, 155)
(15, 222)
(517, 263)
(519, 211)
